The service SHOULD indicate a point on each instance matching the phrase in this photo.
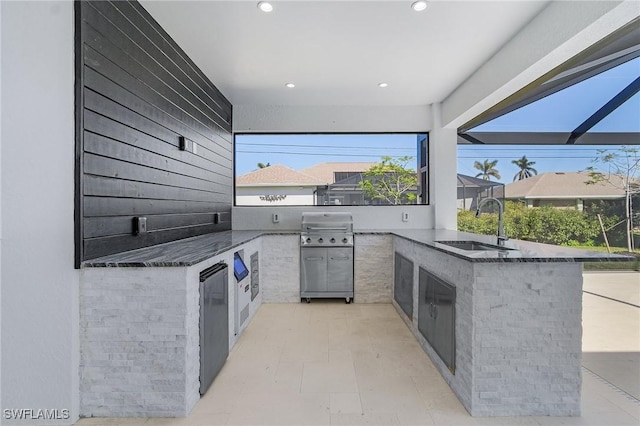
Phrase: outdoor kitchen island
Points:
(517, 317)
(513, 346)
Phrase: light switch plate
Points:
(276, 218)
(405, 217)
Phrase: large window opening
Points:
(585, 196)
(372, 169)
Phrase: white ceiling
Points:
(336, 52)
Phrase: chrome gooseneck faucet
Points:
(502, 237)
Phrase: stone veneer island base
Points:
(518, 332)
(518, 317)
(139, 325)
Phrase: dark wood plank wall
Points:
(139, 94)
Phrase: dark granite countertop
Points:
(186, 252)
(513, 251)
(190, 251)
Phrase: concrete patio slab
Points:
(611, 328)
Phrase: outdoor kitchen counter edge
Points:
(180, 253)
(516, 251)
(190, 251)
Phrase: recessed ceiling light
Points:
(290, 85)
(383, 84)
(265, 6)
(419, 6)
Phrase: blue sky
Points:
(301, 151)
(548, 158)
(563, 111)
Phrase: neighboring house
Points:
(331, 183)
(341, 182)
(332, 172)
(470, 189)
(321, 184)
(276, 185)
(562, 190)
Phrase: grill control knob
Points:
(345, 240)
(308, 240)
(320, 240)
(333, 240)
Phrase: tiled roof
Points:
(563, 185)
(276, 174)
(325, 171)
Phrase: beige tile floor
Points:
(329, 363)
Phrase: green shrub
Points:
(544, 224)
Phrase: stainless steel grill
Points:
(326, 229)
(326, 256)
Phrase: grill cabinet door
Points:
(314, 269)
(403, 284)
(445, 296)
(436, 316)
(340, 268)
(426, 307)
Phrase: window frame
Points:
(422, 168)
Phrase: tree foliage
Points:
(526, 169)
(612, 215)
(619, 169)
(391, 181)
(487, 169)
(263, 165)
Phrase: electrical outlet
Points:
(139, 225)
(405, 217)
(185, 144)
(275, 218)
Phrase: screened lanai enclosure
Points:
(591, 99)
(472, 189)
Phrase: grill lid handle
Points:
(322, 228)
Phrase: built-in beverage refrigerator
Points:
(214, 323)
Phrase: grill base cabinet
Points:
(326, 272)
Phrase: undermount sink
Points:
(473, 246)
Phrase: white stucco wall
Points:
(293, 195)
(443, 162)
(0, 208)
(39, 284)
(332, 118)
(364, 218)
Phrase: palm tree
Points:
(526, 171)
(487, 169)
